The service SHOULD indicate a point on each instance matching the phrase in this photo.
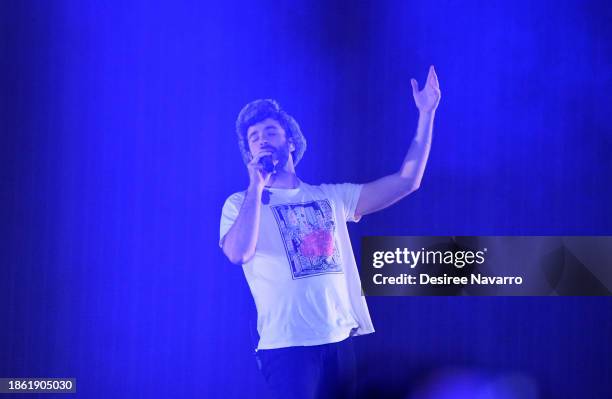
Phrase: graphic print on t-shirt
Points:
(308, 233)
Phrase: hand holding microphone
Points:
(261, 168)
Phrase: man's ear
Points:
(291, 145)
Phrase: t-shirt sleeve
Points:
(345, 195)
(229, 213)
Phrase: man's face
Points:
(269, 135)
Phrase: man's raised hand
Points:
(427, 100)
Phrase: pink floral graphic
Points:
(317, 243)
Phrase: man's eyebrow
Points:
(270, 127)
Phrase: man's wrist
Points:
(427, 114)
(255, 190)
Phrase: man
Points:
(293, 243)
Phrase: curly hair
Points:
(259, 110)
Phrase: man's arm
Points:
(241, 240)
(387, 190)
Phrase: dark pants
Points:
(310, 372)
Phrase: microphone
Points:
(267, 163)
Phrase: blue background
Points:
(118, 151)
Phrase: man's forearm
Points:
(241, 240)
(387, 190)
(413, 167)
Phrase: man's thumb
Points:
(415, 86)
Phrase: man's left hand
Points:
(427, 100)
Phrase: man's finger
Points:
(256, 158)
(433, 78)
(415, 86)
(262, 154)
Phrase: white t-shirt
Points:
(303, 275)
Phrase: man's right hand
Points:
(258, 177)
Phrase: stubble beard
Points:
(282, 155)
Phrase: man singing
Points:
(292, 241)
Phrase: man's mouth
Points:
(271, 149)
